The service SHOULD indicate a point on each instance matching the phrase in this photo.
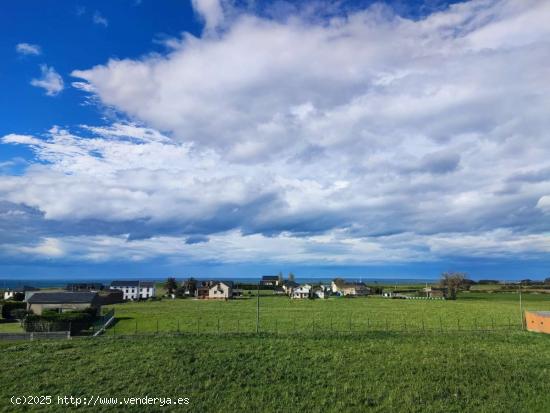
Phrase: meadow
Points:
(472, 311)
(377, 371)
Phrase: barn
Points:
(538, 321)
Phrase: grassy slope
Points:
(282, 314)
(493, 372)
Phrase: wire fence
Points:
(312, 326)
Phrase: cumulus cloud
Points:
(363, 137)
(211, 11)
(28, 49)
(50, 81)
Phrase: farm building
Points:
(538, 321)
(63, 301)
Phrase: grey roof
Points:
(270, 277)
(130, 283)
(62, 298)
(146, 284)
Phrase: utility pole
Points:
(258, 309)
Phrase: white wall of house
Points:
(220, 290)
(301, 292)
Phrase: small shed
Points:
(538, 321)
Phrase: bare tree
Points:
(452, 281)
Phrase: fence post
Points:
(238, 326)
(386, 322)
(492, 323)
(157, 325)
(135, 328)
(475, 324)
(331, 323)
(178, 326)
(458, 324)
(440, 324)
(350, 323)
(198, 327)
(69, 335)
(423, 325)
(32, 336)
(218, 325)
(276, 326)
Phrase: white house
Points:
(221, 290)
(10, 294)
(303, 291)
(320, 292)
(134, 290)
(342, 287)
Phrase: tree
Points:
(170, 285)
(280, 279)
(190, 286)
(291, 277)
(452, 282)
(19, 314)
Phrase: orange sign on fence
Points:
(538, 321)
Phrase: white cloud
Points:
(365, 137)
(28, 49)
(99, 19)
(209, 10)
(50, 81)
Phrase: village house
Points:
(303, 291)
(270, 280)
(344, 288)
(221, 290)
(63, 302)
(134, 290)
(11, 294)
(288, 286)
(321, 292)
(82, 287)
(433, 292)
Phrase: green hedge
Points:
(51, 320)
(9, 306)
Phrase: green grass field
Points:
(472, 311)
(379, 372)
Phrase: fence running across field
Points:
(36, 335)
(303, 326)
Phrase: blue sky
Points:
(238, 138)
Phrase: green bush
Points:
(9, 306)
(51, 320)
